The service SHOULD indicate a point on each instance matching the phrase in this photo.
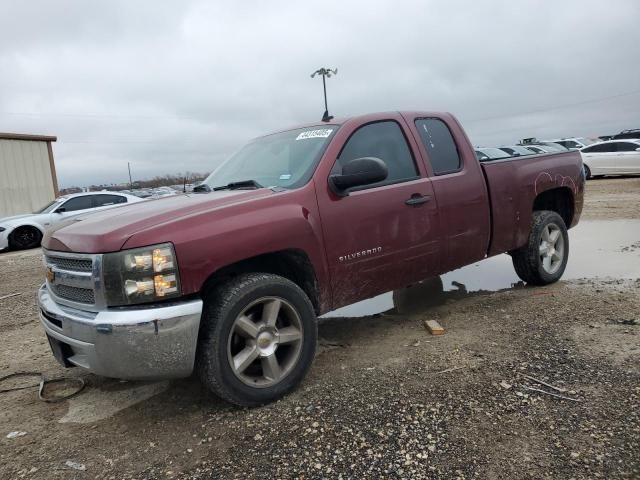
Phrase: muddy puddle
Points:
(598, 249)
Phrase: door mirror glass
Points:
(358, 172)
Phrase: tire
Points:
(587, 172)
(534, 266)
(25, 237)
(251, 364)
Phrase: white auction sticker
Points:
(324, 133)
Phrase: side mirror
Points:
(358, 172)
(202, 188)
(638, 149)
(60, 210)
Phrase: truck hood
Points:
(108, 231)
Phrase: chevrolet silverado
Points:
(228, 281)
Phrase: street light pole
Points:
(325, 72)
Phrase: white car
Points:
(574, 143)
(613, 157)
(26, 231)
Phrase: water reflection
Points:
(599, 249)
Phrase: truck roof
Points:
(368, 117)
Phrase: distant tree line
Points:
(157, 181)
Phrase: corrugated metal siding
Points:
(26, 183)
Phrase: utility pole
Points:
(325, 72)
(129, 167)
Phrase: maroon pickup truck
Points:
(228, 281)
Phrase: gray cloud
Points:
(176, 86)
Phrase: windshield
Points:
(283, 159)
(50, 207)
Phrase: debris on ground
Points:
(434, 327)
(16, 434)
(75, 465)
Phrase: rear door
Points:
(628, 157)
(459, 186)
(381, 236)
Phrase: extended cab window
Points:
(383, 140)
(78, 203)
(441, 148)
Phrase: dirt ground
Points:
(384, 399)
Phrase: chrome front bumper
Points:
(134, 343)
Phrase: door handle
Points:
(417, 199)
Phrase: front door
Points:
(381, 236)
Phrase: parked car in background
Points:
(26, 231)
(613, 157)
(163, 191)
(542, 146)
(517, 150)
(490, 153)
(633, 134)
(574, 143)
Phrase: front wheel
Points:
(25, 237)
(587, 172)
(257, 339)
(544, 258)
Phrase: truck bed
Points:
(515, 183)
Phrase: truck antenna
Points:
(326, 73)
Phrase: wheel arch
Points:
(559, 200)
(292, 264)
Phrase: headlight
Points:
(141, 275)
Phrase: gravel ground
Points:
(384, 398)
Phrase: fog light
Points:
(165, 285)
(139, 287)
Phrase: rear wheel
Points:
(257, 339)
(543, 260)
(587, 172)
(25, 237)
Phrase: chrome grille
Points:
(71, 264)
(75, 279)
(74, 294)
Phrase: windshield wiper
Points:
(241, 185)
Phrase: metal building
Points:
(27, 173)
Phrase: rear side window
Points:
(383, 140)
(627, 147)
(441, 148)
(105, 200)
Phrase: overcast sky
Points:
(173, 86)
